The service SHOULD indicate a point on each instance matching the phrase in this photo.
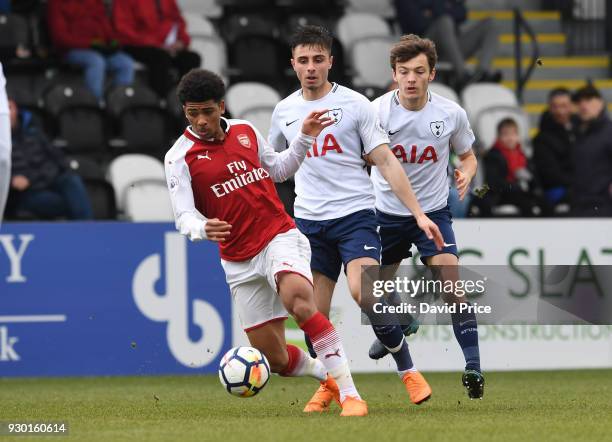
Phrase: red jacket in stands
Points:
(143, 23)
(76, 24)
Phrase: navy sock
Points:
(388, 331)
(466, 332)
(405, 319)
(311, 350)
(392, 337)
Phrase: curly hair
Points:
(410, 46)
(312, 35)
(200, 85)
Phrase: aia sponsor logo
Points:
(412, 156)
(329, 143)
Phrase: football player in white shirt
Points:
(423, 127)
(5, 144)
(334, 207)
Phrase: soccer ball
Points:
(244, 371)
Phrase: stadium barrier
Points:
(138, 298)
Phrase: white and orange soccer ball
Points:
(244, 371)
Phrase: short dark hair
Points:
(559, 91)
(586, 93)
(410, 46)
(200, 85)
(506, 122)
(312, 35)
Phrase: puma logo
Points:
(336, 353)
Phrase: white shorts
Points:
(253, 282)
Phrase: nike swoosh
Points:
(393, 133)
(369, 248)
(289, 123)
(449, 244)
(461, 324)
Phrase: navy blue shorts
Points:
(338, 241)
(399, 233)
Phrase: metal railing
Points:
(521, 77)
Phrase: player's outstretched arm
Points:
(392, 171)
(188, 220)
(464, 176)
(282, 165)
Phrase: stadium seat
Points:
(353, 27)
(213, 54)
(140, 187)
(444, 90)
(384, 8)
(210, 8)
(14, 32)
(140, 122)
(256, 59)
(175, 112)
(486, 104)
(242, 97)
(254, 48)
(253, 102)
(78, 121)
(485, 126)
(371, 92)
(198, 25)
(27, 89)
(101, 193)
(370, 61)
(480, 96)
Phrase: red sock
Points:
(294, 358)
(301, 364)
(327, 345)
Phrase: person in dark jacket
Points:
(83, 34)
(508, 172)
(154, 33)
(553, 146)
(441, 20)
(592, 182)
(41, 182)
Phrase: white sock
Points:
(301, 364)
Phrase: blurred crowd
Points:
(567, 169)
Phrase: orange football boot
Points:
(354, 407)
(417, 387)
(328, 391)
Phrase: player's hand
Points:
(463, 183)
(217, 230)
(368, 160)
(315, 122)
(20, 183)
(431, 231)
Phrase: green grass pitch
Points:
(519, 406)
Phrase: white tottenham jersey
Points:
(332, 182)
(421, 140)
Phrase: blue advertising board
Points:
(109, 299)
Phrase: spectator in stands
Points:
(553, 146)
(41, 182)
(440, 20)
(82, 32)
(592, 181)
(508, 172)
(154, 33)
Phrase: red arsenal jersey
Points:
(226, 180)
